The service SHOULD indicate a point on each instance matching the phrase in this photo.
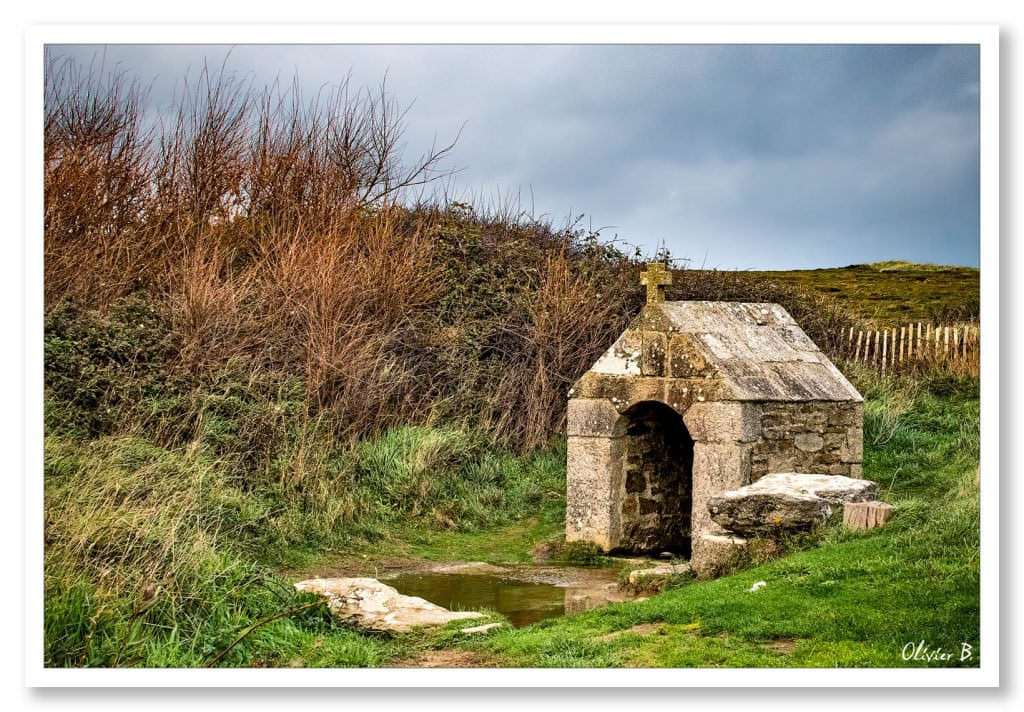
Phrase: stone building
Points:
(692, 400)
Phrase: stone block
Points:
(370, 604)
(681, 394)
(591, 417)
(623, 358)
(593, 489)
(727, 422)
(834, 441)
(782, 461)
(714, 554)
(635, 482)
(656, 578)
(852, 449)
(630, 508)
(654, 354)
(767, 513)
(685, 358)
(622, 392)
(809, 442)
(717, 467)
(639, 390)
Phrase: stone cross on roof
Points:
(656, 277)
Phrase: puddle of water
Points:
(524, 595)
(522, 602)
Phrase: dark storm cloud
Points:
(735, 156)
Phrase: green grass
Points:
(158, 557)
(891, 293)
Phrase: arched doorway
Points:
(657, 496)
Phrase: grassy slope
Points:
(891, 293)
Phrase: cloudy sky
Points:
(733, 156)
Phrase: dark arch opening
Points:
(658, 480)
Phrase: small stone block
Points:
(661, 570)
(591, 417)
(481, 628)
(866, 515)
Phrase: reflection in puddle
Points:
(523, 596)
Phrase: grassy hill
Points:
(891, 293)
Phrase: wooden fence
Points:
(954, 347)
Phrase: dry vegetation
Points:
(888, 294)
(279, 236)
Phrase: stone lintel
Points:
(624, 392)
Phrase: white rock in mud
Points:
(370, 604)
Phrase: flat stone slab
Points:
(836, 489)
(370, 604)
(786, 501)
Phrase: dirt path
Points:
(445, 658)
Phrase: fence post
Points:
(885, 343)
(856, 354)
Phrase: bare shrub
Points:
(97, 164)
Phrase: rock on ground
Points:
(661, 571)
(481, 628)
(370, 604)
(786, 501)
